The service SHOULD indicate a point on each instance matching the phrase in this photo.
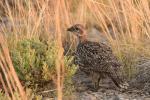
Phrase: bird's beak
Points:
(71, 29)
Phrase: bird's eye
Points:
(76, 28)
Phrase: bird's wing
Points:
(97, 56)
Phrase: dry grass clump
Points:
(47, 20)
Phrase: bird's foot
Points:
(124, 86)
(92, 88)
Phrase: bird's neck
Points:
(82, 38)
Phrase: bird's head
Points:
(78, 30)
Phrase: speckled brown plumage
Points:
(95, 58)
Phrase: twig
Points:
(49, 91)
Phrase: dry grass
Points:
(8, 76)
(129, 20)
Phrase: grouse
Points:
(97, 59)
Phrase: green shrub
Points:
(34, 61)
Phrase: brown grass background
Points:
(129, 20)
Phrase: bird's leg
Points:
(95, 80)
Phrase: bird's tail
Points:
(118, 78)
